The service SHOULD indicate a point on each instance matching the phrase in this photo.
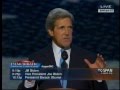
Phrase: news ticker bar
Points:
(66, 74)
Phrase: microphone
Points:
(64, 55)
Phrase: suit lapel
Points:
(75, 62)
(49, 55)
(51, 61)
(72, 63)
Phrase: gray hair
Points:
(55, 14)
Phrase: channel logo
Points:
(105, 8)
(105, 71)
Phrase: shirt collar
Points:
(57, 54)
(57, 49)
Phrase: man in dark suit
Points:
(59, 25)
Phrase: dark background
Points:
(24, 31)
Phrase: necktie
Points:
(64, 66)
(64, 57)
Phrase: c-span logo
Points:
(105, 8)
(105, 71)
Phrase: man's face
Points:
(62, 32)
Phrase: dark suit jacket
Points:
(46, 57)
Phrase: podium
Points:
(60, 89)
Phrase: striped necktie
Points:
(64, 66)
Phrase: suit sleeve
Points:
(95, 85)
(99, 85)
(37, 83)
(22, 87)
